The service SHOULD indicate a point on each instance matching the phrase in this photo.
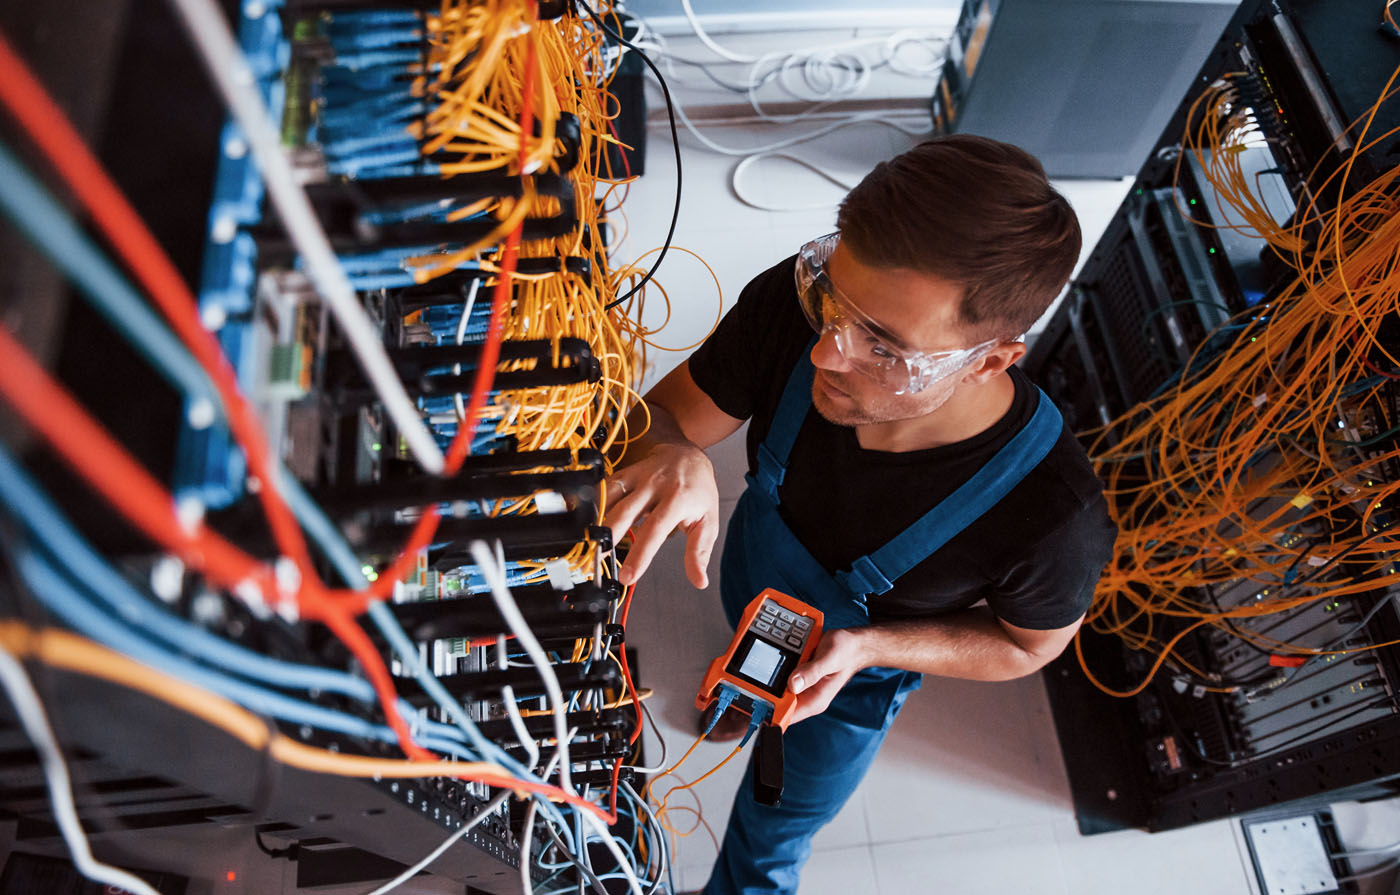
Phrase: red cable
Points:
(501, 297)
(92, 453)
(485, 376)
(51, 131)
(1356, 343)
(636, 701)
(52, 412)
(60, 143)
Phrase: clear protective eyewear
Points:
(866, 345)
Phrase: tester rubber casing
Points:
(776, 633)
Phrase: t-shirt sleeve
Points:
(1052, 584)
(752, 343)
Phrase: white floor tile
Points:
(1205, 859)
(677, 628)
(839, 871)
(1025, 862)
(966, 756)
(848, 828)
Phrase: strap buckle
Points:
(864, 578)
(770, 472)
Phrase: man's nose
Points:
(826, 354)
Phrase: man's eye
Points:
(879, 349)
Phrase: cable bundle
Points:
(455, 241)
(1274, 458)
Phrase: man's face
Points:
(919, 308)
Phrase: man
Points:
(901, 469)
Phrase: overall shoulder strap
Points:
(876, 572)
(787, 422)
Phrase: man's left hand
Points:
(839, 655)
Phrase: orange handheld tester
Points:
(776, 633)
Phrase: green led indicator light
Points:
(368, 570)
(1211, 251)
(376, 446)
(1193, 201)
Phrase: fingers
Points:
(822, 664)
(699, 543)
(647, 538)
(668, 489)
(623, 509)
(817, 697)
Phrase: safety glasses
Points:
(864, 344)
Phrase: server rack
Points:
(1162, 293)
(142, 766)
(1084, 85)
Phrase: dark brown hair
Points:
(975, 211)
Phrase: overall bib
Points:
(826, 756)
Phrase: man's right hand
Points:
(671, 487)
(667, 482)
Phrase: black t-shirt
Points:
(1035, 556)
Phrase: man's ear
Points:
(994, 362)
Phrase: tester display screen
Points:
(762, 664)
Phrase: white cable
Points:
(611, 845)
(433, 855)
(705, 38)
(517, 723)
(661, 839)
(828, 71)
(36, 724)
(745, 164)
(1380, 868)
(859, 118)
(493, 570)
(1360, 852)
(527, 882)
(231, 73)
(461, 336)
(494, 573)
(661, 740)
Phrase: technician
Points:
(902, 470)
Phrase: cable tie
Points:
(189, 512)
(200, 414)
(252, 596)
(288, 577)
(167, 578)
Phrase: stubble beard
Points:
(852, 412)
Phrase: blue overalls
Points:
(827, 755)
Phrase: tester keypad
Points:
(782, 627)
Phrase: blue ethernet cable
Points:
(376, 38)
(62, 596)
(53, 231)
(369, 18)
(33, 510)
(342, 559)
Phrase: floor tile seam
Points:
(1047, 825)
